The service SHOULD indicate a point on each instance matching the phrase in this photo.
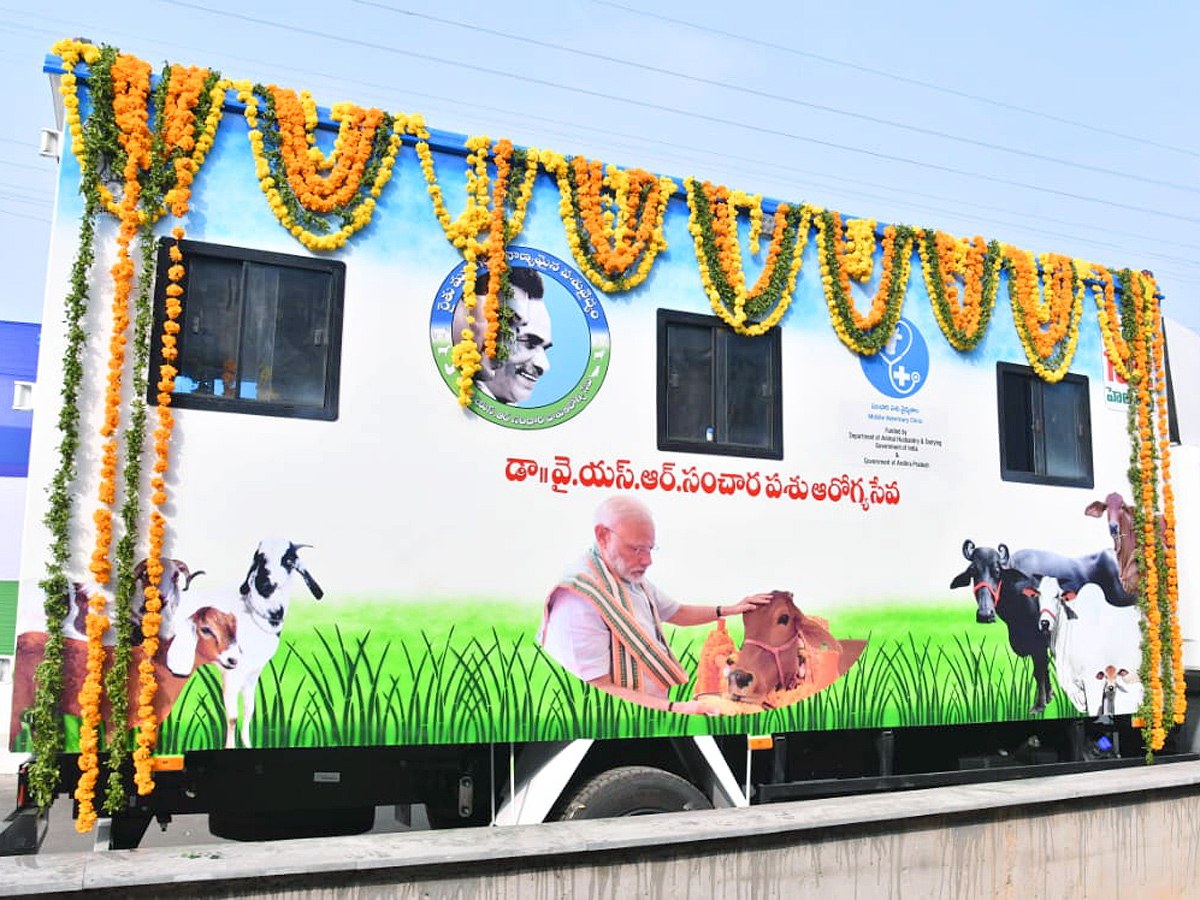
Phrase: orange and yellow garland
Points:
(182, 97)
(324, 193)
(299, 162)
(712, 222)
(613, 218)
(1147, 540)
(1162, 668)
(131, 86)
(179, 124)
(863, 334)
(1169, 560)
(497, 264)
(484, 210)
(945, 258)
(1049, 328)
(1108, 315)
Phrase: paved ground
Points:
(182, 831)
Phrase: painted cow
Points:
(1121, 523)
(1074, 572)
(774, 654)
(1096, 646)
(1001, 590)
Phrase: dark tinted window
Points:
(260, 332)
(718, 391)
(1045, 428)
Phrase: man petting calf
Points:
(603, 620)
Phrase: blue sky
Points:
(1065, 127)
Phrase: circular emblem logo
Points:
(558, 351)
(902, 365)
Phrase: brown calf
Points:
(774, 650)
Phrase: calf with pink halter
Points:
(773, 655)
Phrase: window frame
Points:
(1084, 430)
(23, 396)
(774, 347)
(335, 269)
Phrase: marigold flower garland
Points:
(864, 334)
(858, 257)
(174, 132)
(613, 218)
(485, 209)
(1112, 325)
(712, 222)
(152, 618)
(1142, 477)
(289, 171)
(187, 126)
(1175, 709)
(46, 718)
(116, 679)
(131, 91)
(157, 168)
(199, 98)
(1164, 702)
(1048, 329)
(977, 263)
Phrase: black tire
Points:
(631, 791)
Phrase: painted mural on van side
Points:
(544, 489)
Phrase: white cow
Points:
(1096, 647)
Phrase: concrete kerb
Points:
(263, 862)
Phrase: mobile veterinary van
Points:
(323, 492)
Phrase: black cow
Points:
(1073, 572)
(1009, 593)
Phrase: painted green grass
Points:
(410, 677)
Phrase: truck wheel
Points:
(631, 791)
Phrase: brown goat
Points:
(216, 632)
(176, 577)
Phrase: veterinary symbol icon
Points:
(902, 365)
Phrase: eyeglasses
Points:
(637, 549)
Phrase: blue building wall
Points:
(18, 362)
